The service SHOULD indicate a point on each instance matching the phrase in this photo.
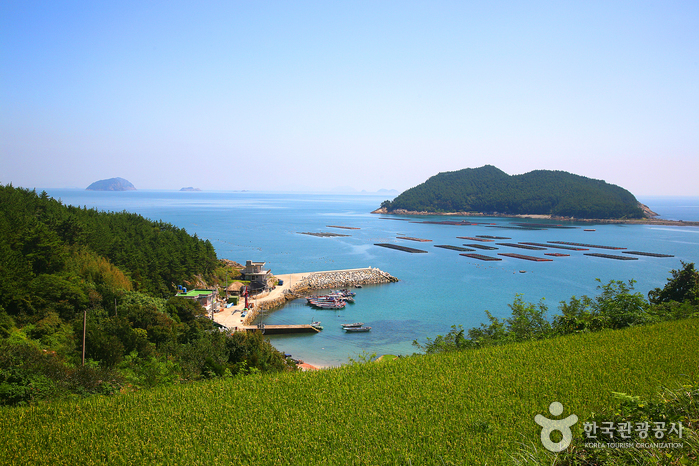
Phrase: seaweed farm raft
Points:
(400, 248)
(410, 238)
(585, 245)
(480, 257)
(522, 256)
(611, 256)
(454, 248)
(648, 254)
(320, 234)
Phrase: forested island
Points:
(489, 190)
(61, 263)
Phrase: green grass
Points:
(473, 407)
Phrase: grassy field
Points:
(473, 407)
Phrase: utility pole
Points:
(84, 331)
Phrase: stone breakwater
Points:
(332, 279)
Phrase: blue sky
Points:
(377, 94)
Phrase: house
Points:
(257, 276)
(206, 298)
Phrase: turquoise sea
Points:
(436, 290)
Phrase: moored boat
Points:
(354, 325)
(357, 329)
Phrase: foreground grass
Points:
(474, 407)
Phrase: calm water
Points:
(436, 290)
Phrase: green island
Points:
(161, 385)
(489, 190)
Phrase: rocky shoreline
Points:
(640, 221)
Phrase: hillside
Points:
(473, 407)
(112, 184)
(61, 264)
(541, 192)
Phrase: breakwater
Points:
(326, 280)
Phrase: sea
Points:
(437, 289)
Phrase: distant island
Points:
(112, 184)
(488, 190)
(190, 189)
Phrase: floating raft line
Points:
(398, 247)
(522, 256)
(448, 222)
(401, 219)
(492, 237)
(410, 238)
(321, 234)
(543, 225)
(611, 256)
(481, 246)
(649, 254)
(481, 257)
(475, 239)
(571, 248)
(556, 254)
(515, 228)
(585, 245)
(522, 246)
(454, 248)
(346, 228)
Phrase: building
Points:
(207, 298)
(257, 276)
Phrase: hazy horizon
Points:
(298, 96)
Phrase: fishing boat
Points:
(328, 304)
(316, 325)
(357, 329)
(354, 325)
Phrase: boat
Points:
(357, 329)
(328, 304)
(354, 325)
(316, 325)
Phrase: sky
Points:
(298, 95)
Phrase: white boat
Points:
(357, 329)
(354, 325)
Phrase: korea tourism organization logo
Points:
(607, 434)
(549, 426)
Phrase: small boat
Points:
(316, 325)
(357, 329)
(354, 325)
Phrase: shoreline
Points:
(296, 285)
(640, 221)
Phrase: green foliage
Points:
(29, 374)
(679, 405)
(452, 341)
(472, 407)
(682, 287)
(488, 189)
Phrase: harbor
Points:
(293, 286)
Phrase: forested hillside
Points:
(56, 262)
(543, 192)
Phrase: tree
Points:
(682, 286)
